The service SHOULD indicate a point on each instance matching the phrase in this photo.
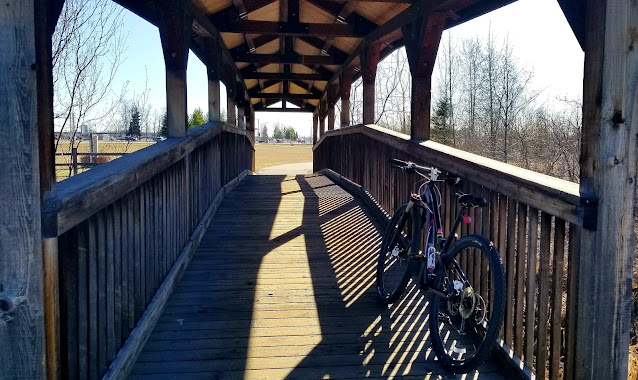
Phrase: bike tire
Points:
(394, 268)
(464, 353)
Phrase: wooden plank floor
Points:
(283, 286)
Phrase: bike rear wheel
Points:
(464, 328)
(401, 238)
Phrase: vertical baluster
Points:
(140, 262)
(93, 349)
(485, 232)
(117, 273)
(521, 237)
(557, 297)
(543, 294)
(572, 290)
(510, 254)
(102, 307)
(124, 268)
(163, 229)
(83, 300)
(69, 300)
(110, 283)
(530, 304)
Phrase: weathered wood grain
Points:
(608, 174)
(549, 194)
(81, 196)
(289, 292)
(22, 329)
(126, 357)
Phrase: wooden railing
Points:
(533, 219)
(124, 230)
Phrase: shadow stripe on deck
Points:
(283, 286)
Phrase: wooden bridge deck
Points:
(282, 286)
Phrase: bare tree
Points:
(88, 44)
(471, 62)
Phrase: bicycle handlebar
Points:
(430, 172)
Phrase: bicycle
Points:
(463, 327)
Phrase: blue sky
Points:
(537, 29)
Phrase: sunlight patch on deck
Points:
(300, 334)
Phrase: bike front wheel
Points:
(401, 238)
(464, 328)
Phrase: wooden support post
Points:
(74, 160)
(250, 119)
(231, 117)
(231, 112)
(213, 55)
(322, 118)
(241, 122)
(214, 106)
(369, 61)
(345, 83)
(333, 95)
(175, 27)
(22, 307)
(315, 126)
(422, 38)
(608, 178)
(45, 18)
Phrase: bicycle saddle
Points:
(469, 200)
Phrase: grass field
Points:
(265, 154)
(62, 172)
(278, 154)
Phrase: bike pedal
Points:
(418, 257)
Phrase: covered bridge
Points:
(90, 267)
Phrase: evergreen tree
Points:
(197, 118)
(440, 126)
(264, 133)
(164, 126)
(278, 132)
(134, 125)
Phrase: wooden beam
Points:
(324, 47)
(287, 110)
(333, 96)
(608, 180)
(45, 17)
(287, 76)
(289, 28)
(255, 93)
(421, 38)
(369, 62)
(290, 58)
(22, 330)
(574, 12)
(346, 85)
(373, 1)
(322, 118)
(265, 95)
(315, 126)
(361, 24)
(175, 27)
(212, 51)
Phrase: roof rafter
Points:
(285, 28)
(288, 58)
(286, 76)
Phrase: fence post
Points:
(74, 160)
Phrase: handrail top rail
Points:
(546, 193)
(77, 198)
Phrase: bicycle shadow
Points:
(359, 336)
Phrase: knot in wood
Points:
(6, 306)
